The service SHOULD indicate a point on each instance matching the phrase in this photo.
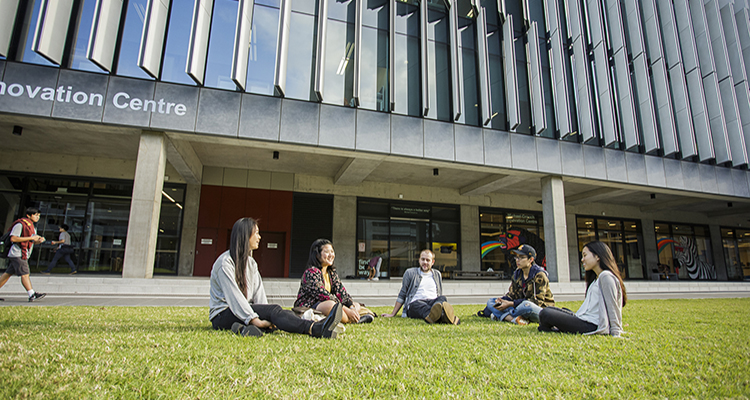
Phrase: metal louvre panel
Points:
(575, 25)
(616, 32)
(320, 50)
(484, 71)
(423, 56)
(687, 38)
(456, 66)
(645, 104)
(633, 19)
(715, 107)
(52, 29)
(198, 48)
(8, 10)
(152, 37)
(538, 114)
(682, 116)
(625, 102)
(392, 53)
(595, 22)
(282, 49)
(702, 37)
(718, 42)
(731, 116)
(583, 91)
(511, 75)
(242, 42)
(669, 34)
(742, 19)
(699, 112)
(560, 90)
(604, 94)
(651, 30)
(731, 35)
(357, 90)
(743, 106)
(104, 27)
(663, 108)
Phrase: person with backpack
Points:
(65, 249)
(23, 236)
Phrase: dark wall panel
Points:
(312, 218)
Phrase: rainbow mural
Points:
(662, 243)
(510, 239)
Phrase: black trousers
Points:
(285, 320)
(420, 309)
(553, 319)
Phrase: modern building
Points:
(465, 126)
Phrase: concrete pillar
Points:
(471, 252)
(573, 253)
(555, 229)
(145, 206)
(717, 248)
(345, 234)
(651, 252)
(189, 230)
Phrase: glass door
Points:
(408, 238)
(103, 245)
(56, 210)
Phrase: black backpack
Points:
(5, 245)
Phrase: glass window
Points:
(220, 45)
(438, 63)
(127, 63)
(25, 53)
(375, 52)
(170, 227)
(407, 71)
(466, 30)
(736, 243)
(514, 8)
(502, 231)
(261, 61)
(497, 74)
(536, 14)
(339, 63)
(85, 18)
(623, 237)
(176, 45)
(686, 249)
(301, 59)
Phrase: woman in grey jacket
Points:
(238, 299)
(601, 311)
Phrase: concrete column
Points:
(651, 253)
(145, 206)
(717, 247)
(471, 252)
(555, 229)
(345, 234)
(573, 254)
(189, 230)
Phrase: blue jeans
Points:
(526, 309)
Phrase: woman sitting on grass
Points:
(321, 287)
(238, 300)
(601, 311)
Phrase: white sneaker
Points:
(493, 317)
(376, 278)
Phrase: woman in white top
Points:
(238, 299)
(601, 311)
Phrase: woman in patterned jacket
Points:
(321, 287)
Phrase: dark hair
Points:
(429, 251)
(239, 249)
(32, 211)
(65, 227)
(606, 262)
(317, 247)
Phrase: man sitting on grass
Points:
(422, 294)
(529, 292)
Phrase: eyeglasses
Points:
(519, 257)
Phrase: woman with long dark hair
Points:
(238, 299)
(601, 311)
(322, 289)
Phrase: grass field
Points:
(674, 349)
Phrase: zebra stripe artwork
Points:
(686, 253)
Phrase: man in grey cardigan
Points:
(422, 294)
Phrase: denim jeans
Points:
(526, 309)
(420, 309)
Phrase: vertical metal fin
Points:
(320, 50)
(423, 56)
(357, 90)
(198, 47)
(52, 29)
(242, 42)
(282, 51)
(8, 10)
(152, 37)
(104, 27)
(456, 64)
(511, 75)
(538, 112)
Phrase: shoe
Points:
(520, 321)
(435, 313)
(44, 273)
(245, 331)
(325, 328)
(448, 316)
(37, 296)
(73, 272)
(493, 317)
(366, 319)
(376, 278)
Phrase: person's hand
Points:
(503, 304)
(37, 239)
(353, 315)
(386, 315)
(356, 307)
(261, 323)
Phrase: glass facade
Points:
(502, 231)
(398, 231)
(97, 212)
(375, 53)
(407, 72)
(686, 250)
(130, 40)
(736, 244)
(623, 236)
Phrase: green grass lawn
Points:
(674, 349)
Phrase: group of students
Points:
(238, 300)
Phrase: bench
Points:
(498, 275)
